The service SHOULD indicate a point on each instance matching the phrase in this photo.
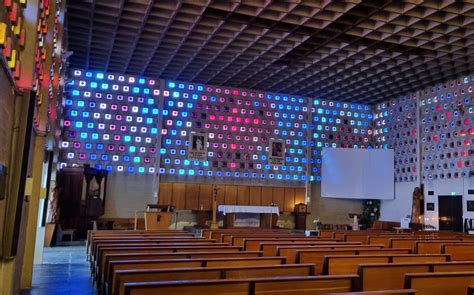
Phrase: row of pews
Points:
(266, 261)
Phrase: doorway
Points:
(450, 213)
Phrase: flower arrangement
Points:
(370, 213)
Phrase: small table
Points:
(266, 213)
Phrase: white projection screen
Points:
(357, 173)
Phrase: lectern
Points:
(158, 216)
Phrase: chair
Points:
(60, 233)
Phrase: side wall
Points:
(432, 133)
(128, 193)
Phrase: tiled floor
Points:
(64, 271)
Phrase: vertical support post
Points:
(214, 224)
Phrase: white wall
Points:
(331, 210)
(393, 210)
(127, 193)
(458, 186)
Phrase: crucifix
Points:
(214, 224)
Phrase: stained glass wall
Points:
(111, 122)
(395, 127)
(240, 124)
(447, 130)
(141, 125)
(338, 124)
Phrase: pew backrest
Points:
(455, 266)
(432, 247)
(240, 272)
(386, 276)
(286, 285)
(459, 251)
(439, 283)
(290, 251)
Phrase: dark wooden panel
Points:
(267, 196)
(179, 195)
(205, 196)
(166, 193)
(300, 195)
(192, 196)
(230, 194)
(279, 197)
(243, 194)
(289, 199)
(255, 196)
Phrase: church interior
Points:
(236, 147)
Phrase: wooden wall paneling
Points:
(179, 195)
(289, 199)
(166, 194)
(231, 195)
(243, 195)
(220, 195)
(205, 196)
(267, 196)
(255, 196)
(300, 195)
(279, 197)
(192, 196)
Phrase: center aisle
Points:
(64, 271)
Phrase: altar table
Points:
(267, 214)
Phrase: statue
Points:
(415, 208)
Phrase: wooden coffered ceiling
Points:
(361, 51)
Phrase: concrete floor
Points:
(64, 271)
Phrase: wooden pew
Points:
(328, 234)
(286, 285)
(199, 262)
(230, 237)
(438, 234)
(439, 283)
(459, 251)
(217, 234)
(386, 276)
(172, 255)
(356, 237)
(270, 248)
(100, 263)
(420, 258)
(391, 292)
(95, 235)
(290, 252)
(433, 247)
(241, 240)
(455, 266)
(205, 273)
(317, 256)
(347, 264)
(385, 239)
(147, 241)
(173, 247)
(410, 242)
(253, 244)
